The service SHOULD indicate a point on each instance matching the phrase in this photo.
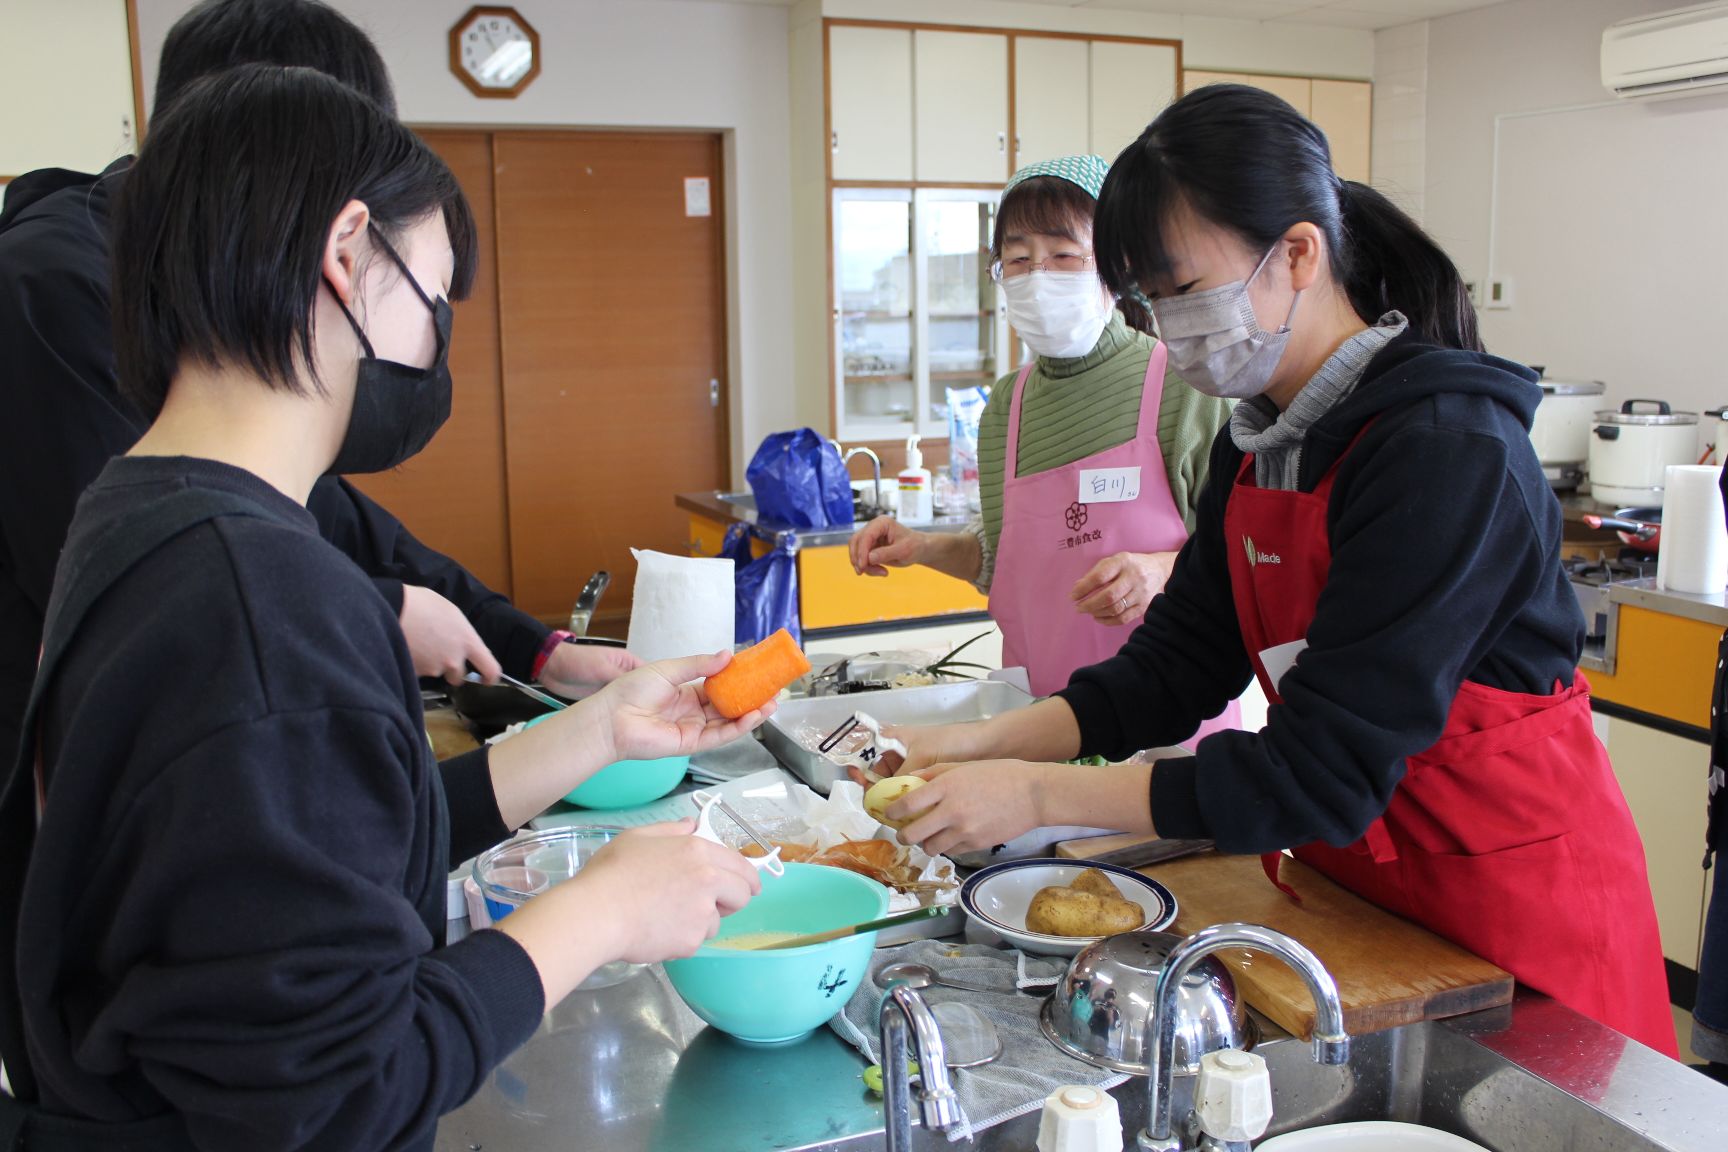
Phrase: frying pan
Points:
(1638, 528)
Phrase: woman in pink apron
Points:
(1090, 457)
(1379, 549)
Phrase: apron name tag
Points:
(1109, 485)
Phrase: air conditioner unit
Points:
(1683, 50)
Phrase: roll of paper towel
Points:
(1694, 555)
(682, 606)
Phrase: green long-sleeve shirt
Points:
(1089, 404)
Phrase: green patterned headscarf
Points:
(1084, 172)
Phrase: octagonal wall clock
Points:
(495, 52)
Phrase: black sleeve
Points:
(386, 551)
(279, 989)
(1426, 579)
(1185, 662)
(475, 824)
(64, 416)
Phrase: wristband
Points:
(549, 646)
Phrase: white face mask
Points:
(1216, 343)
(1059, 314)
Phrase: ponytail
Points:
(1390, 263)
(1247, 161)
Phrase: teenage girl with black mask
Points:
(1378, 546)
(223, 860)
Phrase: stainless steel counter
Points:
(740, 508)
(630, 1068)
(1709, 608)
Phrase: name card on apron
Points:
(1109, 485)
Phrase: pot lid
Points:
(1628, 414)
(1572, 387)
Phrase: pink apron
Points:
(1050, 539)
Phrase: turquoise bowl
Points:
(627, 783)
(783, 995)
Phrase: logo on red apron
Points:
(1255, 556)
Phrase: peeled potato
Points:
(885, 792)
(1067, 912)
(1094, 881)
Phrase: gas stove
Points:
(1591, 579)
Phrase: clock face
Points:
(494, 48)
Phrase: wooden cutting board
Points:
(1389, 971)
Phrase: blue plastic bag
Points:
(766, 586)
(800, 482)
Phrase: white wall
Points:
(1608, 217)
(1396, 158)
(629, 63)
(65, 85)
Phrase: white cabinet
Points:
(1052, 98)
(1343, 109)
(65, 87)
(960, 107)
(916, 311)
(1664, 780)
(1130, 84)
(870, 102)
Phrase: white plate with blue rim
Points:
(997, 898)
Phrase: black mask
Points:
(397, 408)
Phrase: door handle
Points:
(714, 393)
(1002, 143)
(834, 143)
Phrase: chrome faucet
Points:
(1331, 1042)
(941, 1108)
(875, 471)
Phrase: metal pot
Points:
(1560, 429)
(1630, 451)
(1101, 1006)
(1639, 528)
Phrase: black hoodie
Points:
(65, 419)
(1445, 541)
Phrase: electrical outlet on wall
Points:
(1499, 295)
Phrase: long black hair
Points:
(219, 34)
(221, 226)
(1245, 160)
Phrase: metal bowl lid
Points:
(1628, 414)
(1572, 387)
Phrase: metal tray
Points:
(932, 704)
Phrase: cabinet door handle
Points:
(1002, 143)
(714, 393)
(834, 142)
(1017, 148)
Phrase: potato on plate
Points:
(1069, 912)
(1094, 880)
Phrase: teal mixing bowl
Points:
(783, 995)
(627, 783)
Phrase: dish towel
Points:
(1030, 1067)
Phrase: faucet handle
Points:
(1233, 1099)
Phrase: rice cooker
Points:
(1560, 429)
(1630, 451)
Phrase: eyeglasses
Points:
(1021, 265)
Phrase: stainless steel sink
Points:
(630, 1068)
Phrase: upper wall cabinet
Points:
(870, 102)
(1130, 83)
(1343, 109)
(960, 107)
(1052, 111)
(1074, 96)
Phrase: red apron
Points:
(1509, 837)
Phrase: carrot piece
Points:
(756, 675)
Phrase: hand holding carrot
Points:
(659, 711)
